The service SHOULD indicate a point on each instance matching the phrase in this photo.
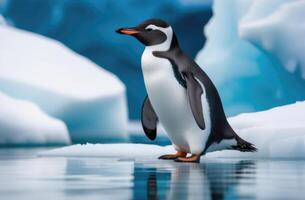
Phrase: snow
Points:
(90, 100)
(23, 123)
(252, 47)
(277, 133)
(119, 150)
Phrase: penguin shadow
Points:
(174, 181)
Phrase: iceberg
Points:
(278, 29)
(277, 133)
(23, 123)
(67, 86)
(250, 45)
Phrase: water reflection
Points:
(25, 176)
(98, 178)
(173, 181)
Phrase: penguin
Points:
(181, 97)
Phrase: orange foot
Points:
(179, 154)
(193, 158)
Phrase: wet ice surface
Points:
(23, 175)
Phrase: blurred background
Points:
(87, 27)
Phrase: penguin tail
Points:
(244, 146)
(241, 144)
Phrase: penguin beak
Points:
(128, 31)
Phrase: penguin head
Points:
(150, 32)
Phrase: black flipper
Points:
(162, 54)
(194, 92)
(169, 55)
(149, 119)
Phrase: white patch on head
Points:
(164, 46)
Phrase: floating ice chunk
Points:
(277, 133)
(23, 123)
(90, 100)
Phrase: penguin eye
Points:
(149, 29)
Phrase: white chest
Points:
(158, 75)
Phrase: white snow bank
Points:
(278, 28)
(120, 150)
(292, 115)
(277, 133)
(90, 100)
(23, 123)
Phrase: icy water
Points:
(23, 175)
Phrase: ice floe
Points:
(23, 123)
